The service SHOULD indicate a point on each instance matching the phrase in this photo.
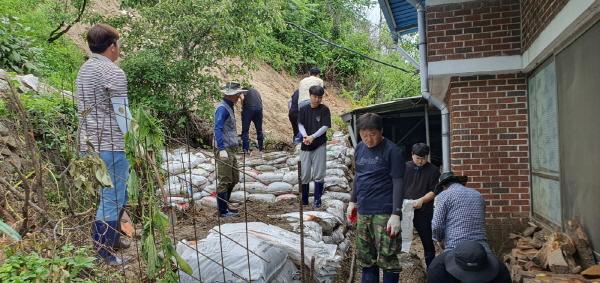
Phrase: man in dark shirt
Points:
(469, 262)
(420, 178)
(252, 111)
(313, 121)
(377, 197)
(293, 115)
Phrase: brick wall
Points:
(489, 143)
(537, 14)
(490, 139)
(474, 29)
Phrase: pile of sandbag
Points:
(271, 177)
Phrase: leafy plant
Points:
(9, 231)
(16, 49)
(142, 143)
(65, 266)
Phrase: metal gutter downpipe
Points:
(425, 84)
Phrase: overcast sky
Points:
(374, 13)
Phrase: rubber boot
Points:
(223, 207)
(370, 274)
(318, 193)
(228, 198)
(305, 191)
(120, 243)
(104, 235)
(391, 277)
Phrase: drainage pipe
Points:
(419, 5)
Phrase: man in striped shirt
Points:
(104, 120)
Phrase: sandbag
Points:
(345, 197)
(279, 160)
(268, 263)
(336, 208)
(341, 182)
(211, 188)
(269, 198)
(200, 172)
(265, 168)
(209, 201)
(207, 166)
(285, 197)
(200, 195)
(279, 188)
(312, 230)
(335, 172)
(291, 177)
(270, 177)
(251, 187)
(238, 196)
(327, 221)
(274, 155)
(335, 164)
(292, 161)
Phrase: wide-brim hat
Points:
(469, 262)
(232, 88)
(449, 177)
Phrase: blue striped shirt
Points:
(459, 215)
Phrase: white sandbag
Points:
(209, 201)
(238, 196)
(332, 155)
(348, 161)
(327, 221)
(281, 166)
(285, 197)
(335, 207)
(279, 160)
(292, 161)
(335, 164)
(265, 168)
(406, 224)
(267, 262)
(212, 177)
(200, 195)
(336, 188)
(274, 155)
(211, 188)
(178, 189)
(291, 177)
(200, 172)
(350, 152)
(251, 187)
(311, 188)
(312, 230)
(336, 181)
(269, 198)
(345, 197)
(201, 156)
(326, 261)
(173, 199)
(338, 235)
(279, 188)
(198, 181)
(254, 161)
(334, 172)
(210, 167)
(270, 177)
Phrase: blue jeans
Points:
(254, 115)
(112, 200)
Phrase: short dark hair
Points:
(100, 37)
(420, 149)
(314, 71)
(369, 121)
(316, 90)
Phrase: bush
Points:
(16, 51)
(67, 265)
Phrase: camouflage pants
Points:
(374, 246)
(227, 172)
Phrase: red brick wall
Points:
(474, 29)
(537, 14)
(489, 140)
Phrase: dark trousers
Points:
(254, 115)
(293, 116)
(422, 222)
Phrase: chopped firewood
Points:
(523, 254)
(513, 236)
(592, 271)
(525, 243)
(582, 243)
(529, 231)
(541, 258)
(557, 262)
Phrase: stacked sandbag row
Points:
(271, 177)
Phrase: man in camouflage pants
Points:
(377, 197)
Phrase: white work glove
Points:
(223, 155)
(418, 203)
(393, 225)
(351, 212)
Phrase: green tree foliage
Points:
(175, 48)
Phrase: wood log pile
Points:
(542, 255)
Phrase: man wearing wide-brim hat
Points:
(469, 262)
(226, 144)
(458, 214)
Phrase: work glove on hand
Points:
(351, 212)
(418, 203)
(223, 155)
(393, 225)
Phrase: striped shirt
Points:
(99, 80)
(459, 215)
